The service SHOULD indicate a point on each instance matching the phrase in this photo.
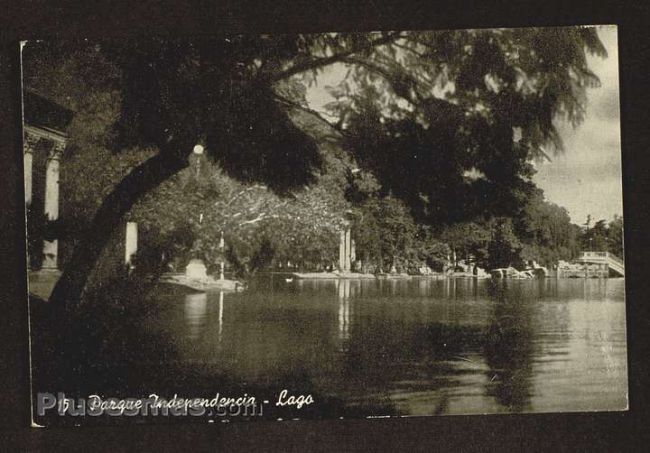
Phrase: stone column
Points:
(130, 241)
(347, 249)
(221, 318)
(342, 250)
(29, 148)
(50, 248)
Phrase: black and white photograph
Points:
(336, 225)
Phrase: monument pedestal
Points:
(196, 269)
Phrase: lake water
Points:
(405, 347)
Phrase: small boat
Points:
(202, 284)
(288, 280)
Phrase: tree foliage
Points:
(481, 102)
(546, 232)
(603, 236)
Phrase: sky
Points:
(586, 178)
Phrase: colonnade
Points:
(38, 140)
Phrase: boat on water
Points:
(511, 272)
(335, 275)
(202, 284)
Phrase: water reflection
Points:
(195, 310)
(416, 346)
(220, 316)
(344, 311)
(509, 347)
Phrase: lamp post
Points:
(198, 150)
(223, 265)
(196, 268)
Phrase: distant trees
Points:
(468, 240)
(387, 237)
(504, 246)
(259, 227)
(546, 232)
(615, 236)
(603, 236)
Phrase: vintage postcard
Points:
(333, 225)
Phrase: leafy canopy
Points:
(454, 95)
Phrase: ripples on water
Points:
(416, 347)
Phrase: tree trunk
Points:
(136, 184)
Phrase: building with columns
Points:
(44, 139)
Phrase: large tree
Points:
(467, 90)
(461, 143)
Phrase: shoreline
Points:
(359, 276)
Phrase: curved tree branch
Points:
(129, 190)
(326, 61)
(311, 112)
(402, 84)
